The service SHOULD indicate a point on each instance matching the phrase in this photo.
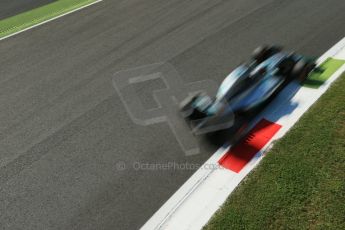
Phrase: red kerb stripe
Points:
(239, 155)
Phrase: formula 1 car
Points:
(246, 90)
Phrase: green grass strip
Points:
(300, 184)
(24, 20)
(326, 69)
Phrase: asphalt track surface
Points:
(10, 8)
(63, 128)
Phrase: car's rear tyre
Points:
(186, 108)
(261, 53)
(189, 111)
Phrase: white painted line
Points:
(332, 52)
(49, 20)
(206, 190)
(183, 193)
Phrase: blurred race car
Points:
(246, 90)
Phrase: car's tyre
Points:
(302, 69)
(186, 108)
(261, 53)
